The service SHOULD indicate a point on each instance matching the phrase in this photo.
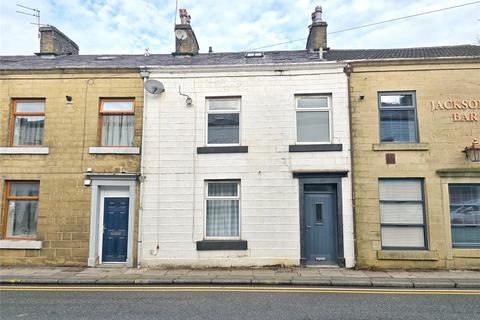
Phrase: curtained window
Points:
(28, 122)
(118, 122)
(22, 210)
(222, 209)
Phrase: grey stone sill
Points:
(413, 255)
(114, 150)
(24, 150)
(21, 244)
(314, 147)
(225, 149)
(400, 147)
(222, 245)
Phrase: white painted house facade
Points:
(246, 157)
(254, 172)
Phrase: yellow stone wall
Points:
(70, 129)
(441, 141)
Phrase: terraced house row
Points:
(350, 158)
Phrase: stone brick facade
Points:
(70, 129)
(437, 158)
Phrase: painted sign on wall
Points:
(462, 110)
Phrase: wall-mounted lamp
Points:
(473, 152)
(189, 100)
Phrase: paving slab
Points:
(177, 272)
(271, 280)
(376, 274)
(330, 273)
(305, 281)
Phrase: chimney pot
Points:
(317, 14)
(185, 41)
(184, 16)
(317, 37)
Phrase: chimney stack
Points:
(54, 42)
(317, 38)
(185, 40)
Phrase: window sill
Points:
(414, 255)
(24, 150)
(21, 244)
(400, 147)
(222, 245)
(114, 150)
(232, 149)
(315, 147)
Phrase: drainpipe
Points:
(144, 74)
(348, 69)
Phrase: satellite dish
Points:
(154, 86)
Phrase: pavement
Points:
(337, 277)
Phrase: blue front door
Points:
(320, 224)
(115, 230)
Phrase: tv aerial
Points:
(33, 12)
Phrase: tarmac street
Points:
(235, 302)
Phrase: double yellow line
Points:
(250, 289)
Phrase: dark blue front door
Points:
(320, 225)
(115, 230)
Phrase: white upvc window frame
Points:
(328, 109)
(239, 111)
(207, 197)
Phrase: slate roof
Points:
(230, 58)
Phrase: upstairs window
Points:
(223, 121)
(313, 119)
(21, 210)
(398, 117)
(28, 121)
(118, 122)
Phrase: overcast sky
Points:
(130, 26)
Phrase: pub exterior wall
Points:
(441, 139)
